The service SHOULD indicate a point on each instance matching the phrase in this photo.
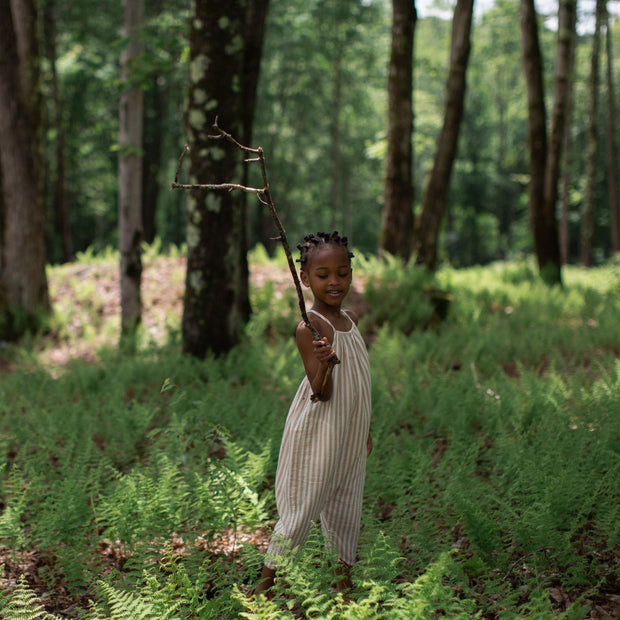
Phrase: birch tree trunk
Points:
(587, 222)
(130, 174)
(397, 224)
(436, 191)
(23, 282)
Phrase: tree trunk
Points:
(60, 204)
(256, 14)
(612, 157)
(130, 174)
(565, 201)
(23, 283)
(543, 222)
(254, 34)
(336, 160)
(397, 224)
(589, 199)
(567, 16)
(212, 316)
(436, 191)
(153, 129)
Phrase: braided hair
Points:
(321, 238)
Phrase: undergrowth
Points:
(142, 487)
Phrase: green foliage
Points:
(321, 119)
(145, 484)
(400, 297)
(24, 604)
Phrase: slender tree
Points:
(436, 190)
(60, 205)
(23, 283)
(566, 143)
(612, 154)
(542, 216)
(153, 127)
(254, 36)
(130, 173)
(589, 199)
(397, 224)
(567, 17)
(254, 31)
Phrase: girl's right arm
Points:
(315, 355)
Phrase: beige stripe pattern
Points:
(322, 462)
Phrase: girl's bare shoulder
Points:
(352, 315)
(319, 324)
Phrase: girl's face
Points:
(328, 274)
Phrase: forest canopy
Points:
(321, 95)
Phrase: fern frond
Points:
(124, 605)
(24, 604)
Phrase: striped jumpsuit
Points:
(322, 462)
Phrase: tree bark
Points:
(612, 153)
(130, 174)
(152, 131)
(23, 282)
(564, 234)
(436, 191)
(542, 218)
(567, 16)
(60, 204)
(589, 199)
(254, 34)
(212, 307)
(256, 14)
(397, 224)
(335, 141)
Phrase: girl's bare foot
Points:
(265, 583)
(343, 578)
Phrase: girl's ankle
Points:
(265, 583)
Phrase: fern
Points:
(399, 296)
(124, 605)
(16, 502)
(432, 593)
(24, 604)
(494, 467)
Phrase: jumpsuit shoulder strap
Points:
(324, 318)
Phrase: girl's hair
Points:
(321, 238)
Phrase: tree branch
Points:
(264, 196)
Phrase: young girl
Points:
(322, 462)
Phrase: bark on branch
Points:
(264, 196)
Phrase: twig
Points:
(518, 560)
(264, 196)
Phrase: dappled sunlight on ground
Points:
(86, 301)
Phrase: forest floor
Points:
(87, 296)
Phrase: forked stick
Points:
(264, 196)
